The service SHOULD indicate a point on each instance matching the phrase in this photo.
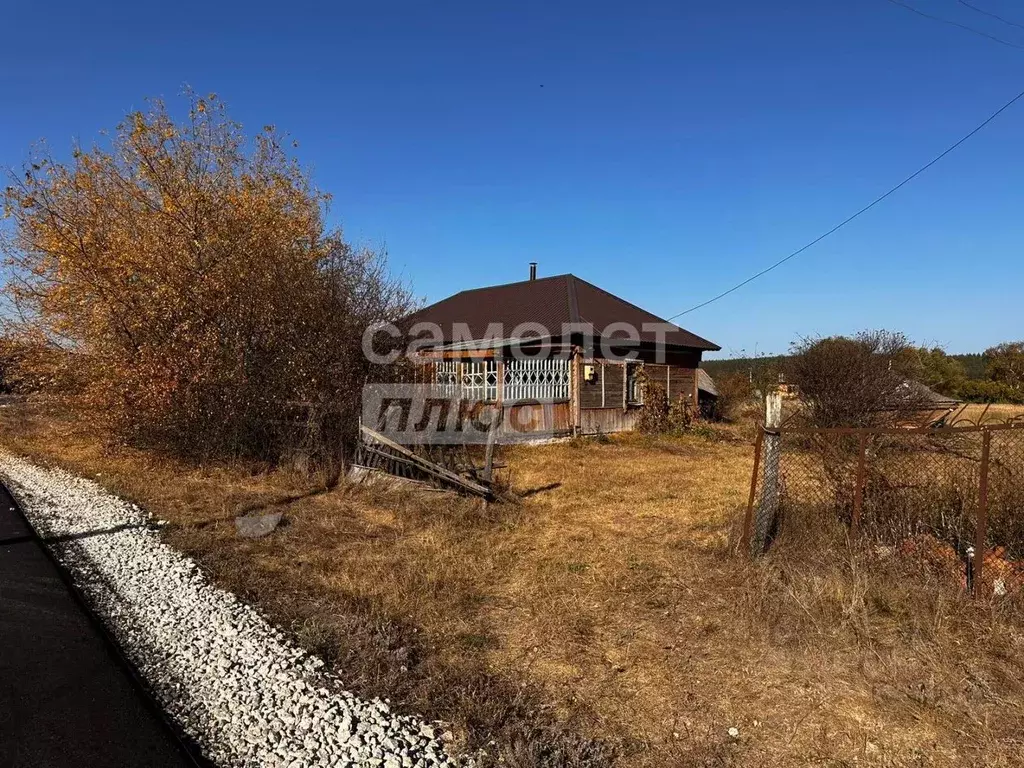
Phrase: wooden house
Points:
(550, 353)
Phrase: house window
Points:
(634, 387)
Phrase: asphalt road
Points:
(66, 699)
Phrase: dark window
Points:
(634, 388)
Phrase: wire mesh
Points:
(951, 496)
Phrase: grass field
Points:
(602, 619)
(991, 414)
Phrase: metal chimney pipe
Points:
(533, 270)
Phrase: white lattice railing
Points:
(470, 380)
(523, 379)
(480, 380)
(446, 377)
(536, 380)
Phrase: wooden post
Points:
(625, 388)
(748, 519)
(492, 436)
(768, 509)
(499, 368)
(981, 532)
(499, 373)
(858, 492)
(576, 389)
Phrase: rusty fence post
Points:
(748, 519)
(981, 532)
(858, 491)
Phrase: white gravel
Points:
(235, 684)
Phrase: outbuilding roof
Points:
(705, 383)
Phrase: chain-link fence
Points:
(953, 496)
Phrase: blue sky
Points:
(663, 150)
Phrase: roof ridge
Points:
(517, 282)
(574, 307)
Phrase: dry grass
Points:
(605, 606)
(992, 414)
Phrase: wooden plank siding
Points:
(608, 420)
(553, 418)
(683, 382)
(608, 388)
(607, 392)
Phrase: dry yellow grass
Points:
(991, 414)
(605, 605)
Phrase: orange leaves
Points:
(937, 555)
(189, 276)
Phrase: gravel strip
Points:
(235, 684)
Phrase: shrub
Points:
(981, 391)
(1004, 363)
(857, 382)
(660, 415)
(735, 391)
(186, 283)
(939, 371)
(653, 418)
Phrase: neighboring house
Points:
(576, 375)
(929, 406)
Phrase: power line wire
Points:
(863, 210)
(952, 23)
(990, 14)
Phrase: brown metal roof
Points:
(551, 302)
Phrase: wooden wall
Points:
(552, 418)
(607, 390)
(608, 420)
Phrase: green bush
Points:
(981, 391)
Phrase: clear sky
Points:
(662, 150)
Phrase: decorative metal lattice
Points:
(468, 380)
(480, 380)
(446, 377)
(536, 380)
(523, 379)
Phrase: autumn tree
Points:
(184, 275)
(1005, 364)
(939, 371)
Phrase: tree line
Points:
(993, 376)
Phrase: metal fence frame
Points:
(759, 518)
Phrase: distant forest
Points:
(974, 364)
